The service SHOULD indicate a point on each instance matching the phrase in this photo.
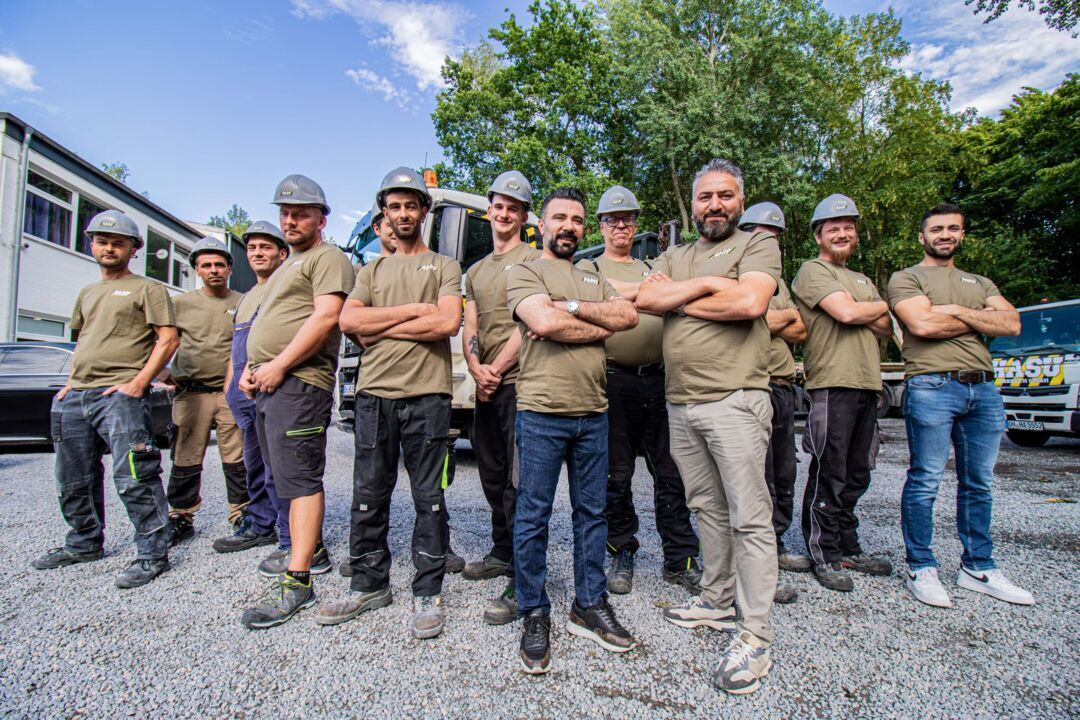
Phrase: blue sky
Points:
(211, 103)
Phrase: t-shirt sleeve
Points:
(331, 273)
(762, 255)
(157, 306)
(451, 279)
(782, 299)
(903, 285)
(814, 283)
(361, 291)
(989, 286)
(469, 297)
(662, 264)
(76, 322)
(523, 281)
(609, 292)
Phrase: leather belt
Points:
(968, 376)
(782, 382)
(617, 369)
(198, 387)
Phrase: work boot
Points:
(60, 557)
(599, 624)
(489, 567)
(785, 593)
(244, 538)
(344, 610)
(745, 661)
(686, 575)
(697, 612)
(428, 616)
(867, 564)
(535, 650)
(180, 529)
(277, 562)
(454, 562)
(833, 577)
(793, 562)
(620, 576)
(286, 597)
(503, 609)
(140, 572)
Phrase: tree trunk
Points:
(678, 196)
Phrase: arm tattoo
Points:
(474, 346)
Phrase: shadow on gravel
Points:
(1062, 542)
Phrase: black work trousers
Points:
(839, 436)
(419, 426)
(780, 461)
(637, 420)
(497, 463)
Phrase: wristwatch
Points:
(572, 307)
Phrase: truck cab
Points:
(1038, 373)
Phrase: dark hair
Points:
(563, 193)
(718, 165)
(942, 209)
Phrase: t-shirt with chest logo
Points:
(555, 377)
(485, 285)
(642, 344)
(836, 354)
(205, 324)
(116, 320)
(397, 369)
(943, 286)
(705, 360)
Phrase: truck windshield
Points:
(1043, 330)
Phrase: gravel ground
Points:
(71, 645)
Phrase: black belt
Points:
(968, 376)
(614, 368)
(782, 382)
(198, 387)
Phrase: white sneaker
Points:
(995, 584)
(925, 586)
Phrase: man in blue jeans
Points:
(565, 314)
(950, 399)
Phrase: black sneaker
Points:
(60, 557)
(244, 538)
(141, 572)
(180, 529)
(535, 651)
(833, 577)
(620, 576)
(867, 564)
(599, 624)
(286, 598)
(454, 562)
(277, 562)
(489, 567)
(686, 575)
(503, 609)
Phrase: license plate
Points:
(348, 389)
(1024, 425)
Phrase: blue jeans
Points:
(939, 412)
(544, 441)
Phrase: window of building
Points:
(87, 210)
(48, 210)
(30, 325)
(167, 262)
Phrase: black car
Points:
(31, 373)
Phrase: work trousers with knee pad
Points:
(419, 427)
(195, 413)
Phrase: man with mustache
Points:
(403, 309)
(714, 294)
(637, 415)
(492, 342)
(844, 316)
(292, 354)
(564, 315)
(126, 334)
(204, 318)
(950, 399)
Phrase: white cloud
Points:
(419, 35)
(353, 216)
(16, 72)
(374, 82)
(986, 64)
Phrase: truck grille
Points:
(1035, 392)
(1045, 407)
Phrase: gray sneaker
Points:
(745, 661)
(785, 593)
(620, 577)
(277, 562)
(428, 616)
(286, 598)
(698, 611)
(61, 557)
(344, 610)
(503, 609)
(140, 572)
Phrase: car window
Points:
(33, 361)
(478, 242)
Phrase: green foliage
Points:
(1058, 14)
(118, 171)
(235, 220)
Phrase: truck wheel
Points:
(1027, 438)
(883, 403)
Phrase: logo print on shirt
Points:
(505, 269)
(429, 266)
(121, 293)
(860, 281)
(719, 253)
(591, 280)
(230, 311)
(973, 281)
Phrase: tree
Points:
(236, 220)
(118, 171)
(1058, 14)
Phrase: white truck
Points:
(1038, 373)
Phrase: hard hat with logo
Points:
(267, 228)
(403, 178)
(617, 199)
(512, 184)
(834, 206)
(763, 213)
(300, 190)
(114, 222)
(209, 245)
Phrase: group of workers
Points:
(685, 359)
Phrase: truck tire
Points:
(1027, 438)
(884, 402)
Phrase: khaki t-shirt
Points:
(781, 362)
(944, 286)
(641, 345)
(559, 378)
(115, 320)
(706, 360)
(836, 354)
(290, 300)
(249, 303)
(398, 369)
(485, 285)
(205, 324)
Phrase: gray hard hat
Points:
(267, 228)
(376, 214)
(512, 184)
(300, 190)
(617, 199)
(209, 245)
(114, 222)
(763, 213)
(402, 178)
(834, 206)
